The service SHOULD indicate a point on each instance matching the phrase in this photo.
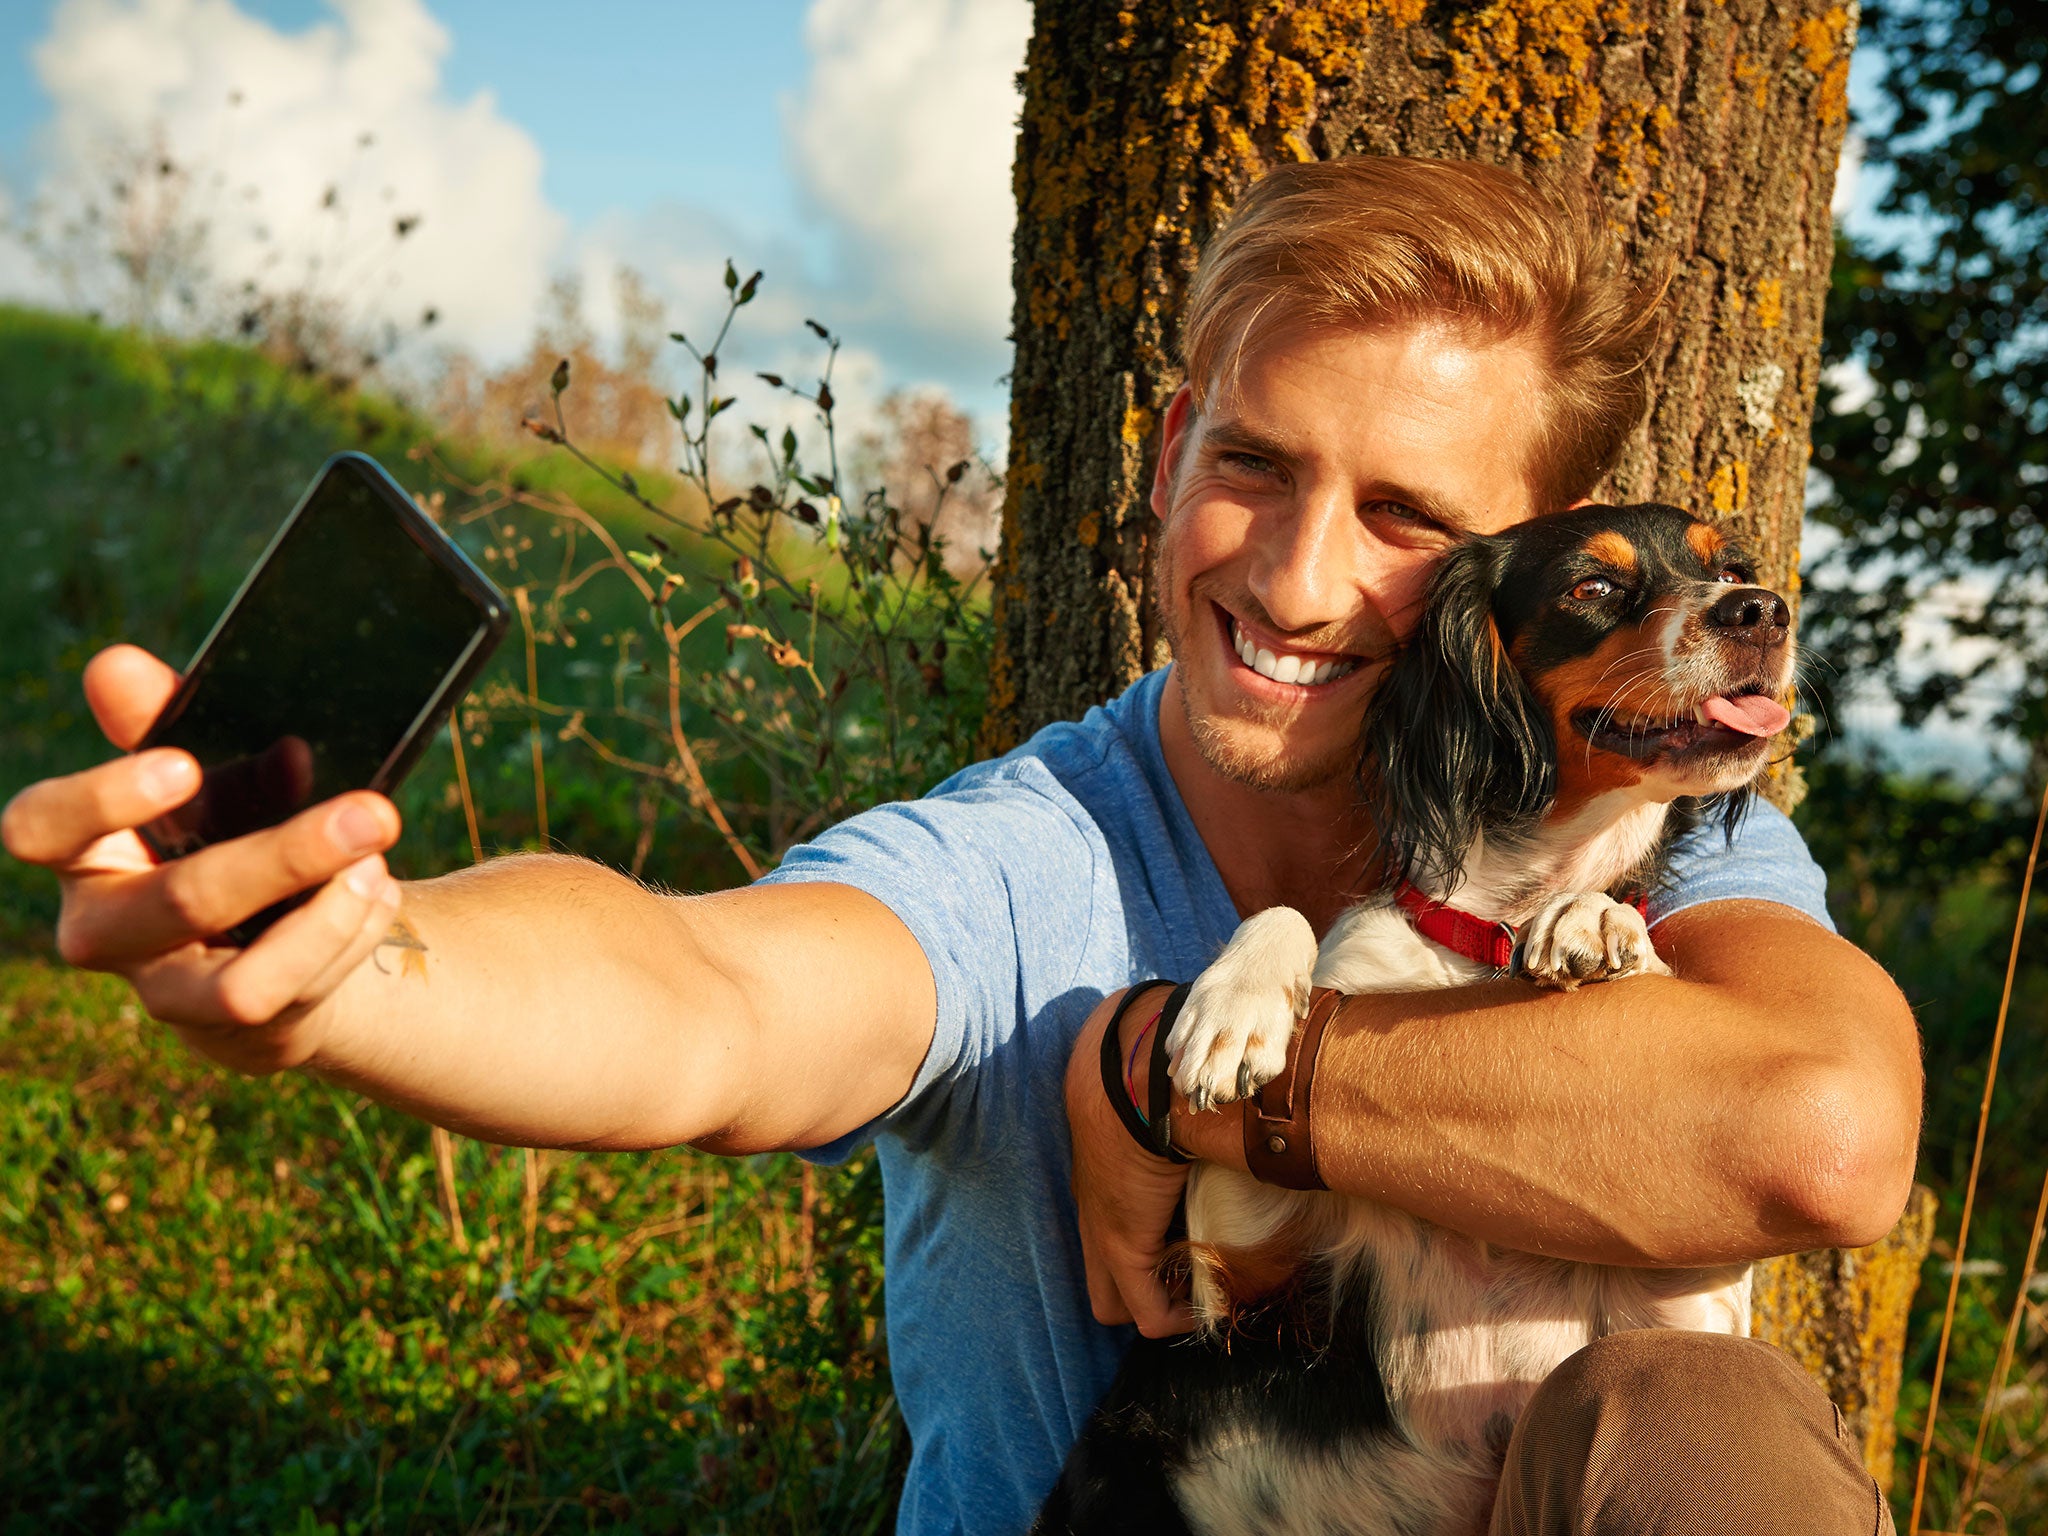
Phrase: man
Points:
(1384, 356)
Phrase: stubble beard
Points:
(1244, 756)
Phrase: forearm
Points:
(535, 1000)
(1762, 1104)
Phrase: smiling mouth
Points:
(1302, 669)
(1736, 721)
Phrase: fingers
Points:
(53, 822)
(296, 962)
(127, 689)
(1124, 1285)
(1105, 1301)
(1152, 1308)
(131, 917)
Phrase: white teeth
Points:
(1298, 670)
(1699, 713)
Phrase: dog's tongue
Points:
(1754, 714)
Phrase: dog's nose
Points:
(1752, 615)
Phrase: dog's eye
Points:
(1733, 577)
(1592, 589)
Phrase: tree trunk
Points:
(1708, 131)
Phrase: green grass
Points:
(239, 1306)
(1925, 878)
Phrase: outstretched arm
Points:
(539, 999)
(553, 1002)
(1766, 1099)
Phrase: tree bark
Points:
(1841, 1313)
(1708, 132)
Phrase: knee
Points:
(1642, 1424)
(1650, 1369)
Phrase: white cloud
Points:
(267, 120)
(903, 136)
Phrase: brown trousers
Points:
(1684, 1434)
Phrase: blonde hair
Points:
(1372, 241)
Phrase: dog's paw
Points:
(1231, 1037)
(1587, 936)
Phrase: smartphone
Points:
(338, 658)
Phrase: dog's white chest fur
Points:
(1464, 1332)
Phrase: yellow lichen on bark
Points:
(1770, 303)
(1728, 488)
(1823, 44)
(1528, 65)
(1841, 1313)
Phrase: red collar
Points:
(1490, 943)
(1475, 938)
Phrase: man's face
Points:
(1304, 510)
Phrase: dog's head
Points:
(1599, 650)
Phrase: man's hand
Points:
(1124, 1195)
(255, 1009)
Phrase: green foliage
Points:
(856, 640)
(1940, 474)
(1925, 876)
(239, 1306)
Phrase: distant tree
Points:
(1938, 482)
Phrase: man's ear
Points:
(1173, 435)
(1454, 742)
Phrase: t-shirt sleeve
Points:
(994, 879)
(1765, 860)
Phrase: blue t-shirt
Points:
(1037, 884)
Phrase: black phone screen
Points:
(319, 677)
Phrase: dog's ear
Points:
(1454, 741)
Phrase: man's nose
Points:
(1300, 571)
(1753, 615)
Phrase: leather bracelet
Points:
(1279, 1138)
(1159, 1089)
(1153, 1134)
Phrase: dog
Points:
(1579, 691)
